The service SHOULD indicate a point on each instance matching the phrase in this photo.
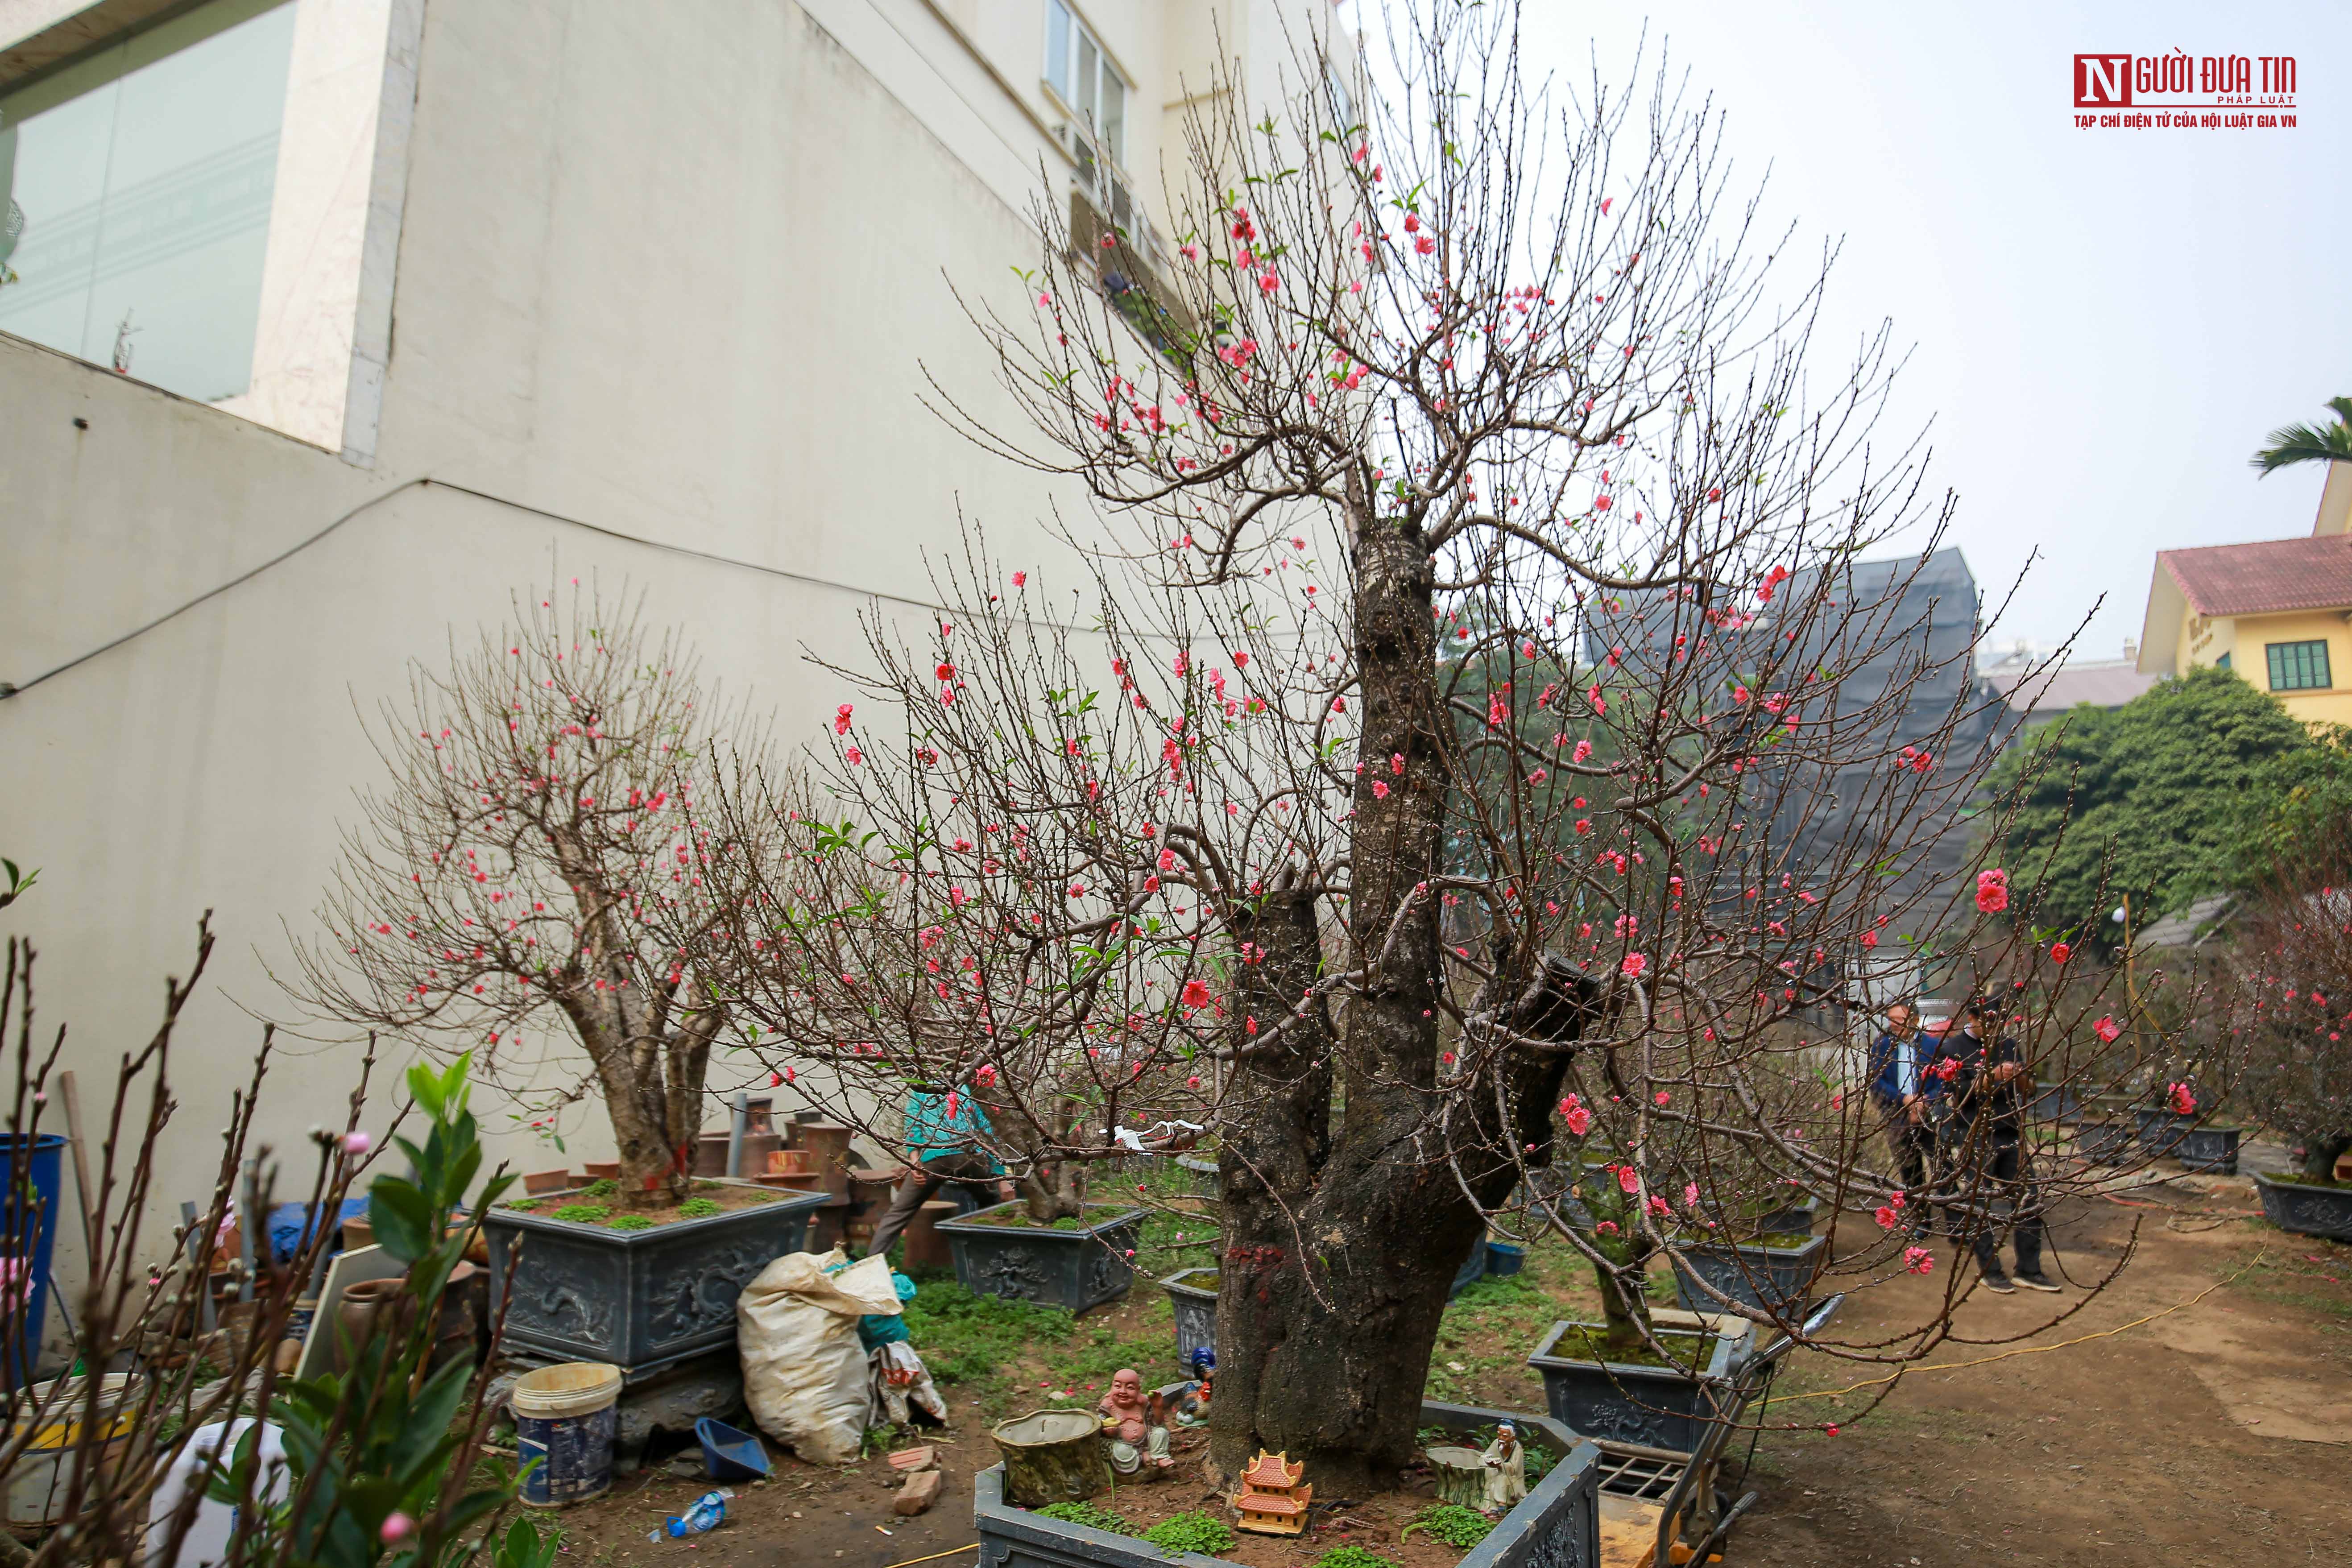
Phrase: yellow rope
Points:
(2031, 1349)
(934, 1557)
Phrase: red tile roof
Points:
(2264, 577)
(1267, 1503)
(1272, 1470)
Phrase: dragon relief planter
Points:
(1755, 1275)
(2307, 1210)
(1556, 1525)
(2212, 1149)
(997, 1253)
(2106, 1143)
(1626, 1402)
(1192, 1292)
(2160, 1131)
(2059, 1102)
(639, 1300)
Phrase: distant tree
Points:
(2292, 957)
(533, 865)
(2154, 799)
(2292, 443)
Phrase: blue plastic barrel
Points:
(564, 1420)
(28, 1233)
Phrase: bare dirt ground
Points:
(2219, 1433)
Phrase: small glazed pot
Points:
(538, 1183)
(604, 1169)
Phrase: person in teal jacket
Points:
(942, 1146)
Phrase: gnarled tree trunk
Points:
(1341, 1236)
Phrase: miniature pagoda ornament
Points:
(1271, 1500)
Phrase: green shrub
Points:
(583, 1214)
(1194, 1532)
(602, 1187)
(698, 1208)
(1088, 1514)
(630, 1222)
(1450, 1522)
(1353, 1557)
(523, 1205)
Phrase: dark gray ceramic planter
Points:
(2056, 1102)
(1196, 1313)
(1556, 1525)
(1792, 1218)
(1203, 1173)
(640, 1300)
(2160, 1131)
(2307, 1210)
(2106, 1142)
(1765, 1277)
(1796, 1216)
(2212, 1149)
(1079, 1269)
(1656, 1405)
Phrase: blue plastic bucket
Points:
(28, 1232)
(564, 1419)
(1502, 1258)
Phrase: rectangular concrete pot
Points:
(1194, 1293)
(2213, 1148)
(641, 1300)
(1659, 1406)
(2160, 1131)
(1556, 1525)
(2056, 1102)
(2106, 1143)
(1797, 1215)
(1203, 1171)
(1079, 1269)
(2307, 1210)
(1764, 1276)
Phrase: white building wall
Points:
(675, 271)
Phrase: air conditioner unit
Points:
(1107, 191)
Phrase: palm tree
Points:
(2303, 444)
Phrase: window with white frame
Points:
(1081, 75)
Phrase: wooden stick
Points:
(81, 1163)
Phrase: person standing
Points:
(1989, 1097)
(1899, 1093)
(943, 1133)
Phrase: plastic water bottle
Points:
(708, 1512)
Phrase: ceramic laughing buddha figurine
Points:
(1507, 1470)
(1126, 1426)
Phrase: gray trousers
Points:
(967, 1170)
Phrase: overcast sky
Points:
(2104, 323)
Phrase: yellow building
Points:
(2278, 611)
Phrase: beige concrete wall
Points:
(677, 271)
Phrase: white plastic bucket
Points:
(564, 1419)
(37, 1485)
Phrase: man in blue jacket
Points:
(1901, 1094)
(946, 1137)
